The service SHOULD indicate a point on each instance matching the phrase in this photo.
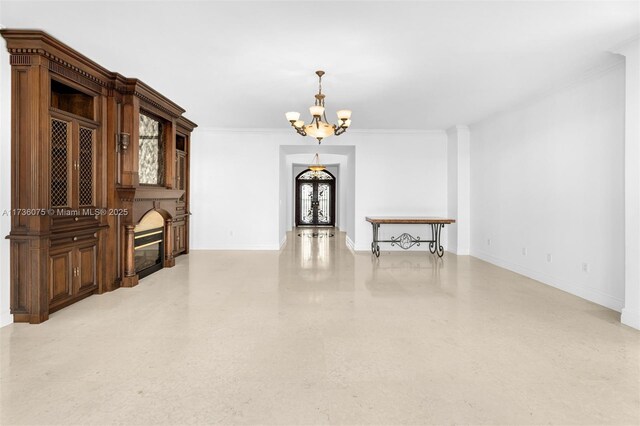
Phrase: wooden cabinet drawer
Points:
(60, 223)
(73, 238)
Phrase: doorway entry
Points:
(315, 198)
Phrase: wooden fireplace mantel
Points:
(140, 200)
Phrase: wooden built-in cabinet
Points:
(72, 273)
(76, 192)
(73, 162)
(181, 221)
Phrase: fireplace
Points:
(149, 244)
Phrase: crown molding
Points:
(623, 45)
(458, 128)
(287, 131)
(400, 131)
(63, 60)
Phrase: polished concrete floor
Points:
(316, 334)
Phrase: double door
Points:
(73, 162)
(315, 203)
(72, 272)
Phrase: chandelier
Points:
(316, 166)
(319, 126)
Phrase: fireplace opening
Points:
(149, 244)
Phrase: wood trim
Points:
(405, 220)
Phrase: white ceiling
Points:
(397, 65)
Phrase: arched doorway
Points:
(315, 198)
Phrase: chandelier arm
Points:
(301, 132)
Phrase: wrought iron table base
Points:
(406, 241)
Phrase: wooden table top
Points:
(409, 219)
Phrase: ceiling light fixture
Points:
(319, 126)
(316, 166)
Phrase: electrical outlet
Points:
(524, 251)
(585, 268)
(489, 242)
(549, 258)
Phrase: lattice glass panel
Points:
(324, 200)
(59, 166)
(311, 175)
(182, 170)
(151, 152)
(306, 203)
(85, 187)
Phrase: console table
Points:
(406, 241)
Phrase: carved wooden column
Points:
(29, 253)
(169, 260)
(130, 278)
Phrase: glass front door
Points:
(315, 197)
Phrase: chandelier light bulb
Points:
(346, 123)
(293, 116)
(344, 114)
(316, 110)
(298, 124)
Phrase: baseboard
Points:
(589, 294)
(630, 318)
(265, 247)
(5, 318)
(350, 243)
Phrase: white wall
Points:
(235, 193)
(5, 179)
(401, 174)
(548, 177)
(458, 189)
(239, 191)
(631, 311)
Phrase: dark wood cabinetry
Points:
(72, 274)
(181, 221)
(180, 237)
(72, 162)
(77, 158)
